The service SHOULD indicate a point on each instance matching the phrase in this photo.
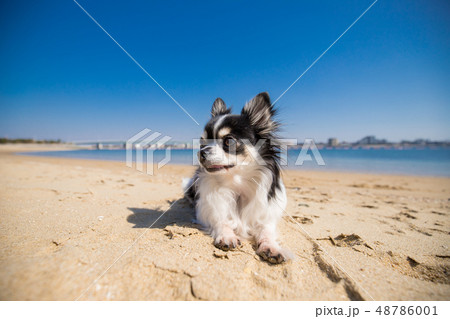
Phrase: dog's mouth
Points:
(216, 168)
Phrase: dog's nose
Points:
(204, 152)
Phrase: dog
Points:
(237, 191)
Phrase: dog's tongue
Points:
(217, 166)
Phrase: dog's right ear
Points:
(219, 108)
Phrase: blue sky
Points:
(62, 77)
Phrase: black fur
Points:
(265, 128)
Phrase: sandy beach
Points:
(79, 229)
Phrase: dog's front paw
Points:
(227, 242)
(272, 254)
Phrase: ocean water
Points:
(425, 162)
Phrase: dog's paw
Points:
(227, 242)
(271, 254)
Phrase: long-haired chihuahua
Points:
(237, 189)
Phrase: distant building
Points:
(333, 142)
(368, 140)
(371, 140)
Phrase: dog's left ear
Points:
(260, 112)
(219, 108)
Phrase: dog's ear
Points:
(219, 108)
(260, 113)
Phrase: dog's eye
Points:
(229, 141)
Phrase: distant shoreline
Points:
(68, 146)
(433, 162)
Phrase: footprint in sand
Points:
(347, 241)
(430, 270)
(300, 219)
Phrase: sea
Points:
(420, 161)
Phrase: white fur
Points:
(237, 200)
(219, 123)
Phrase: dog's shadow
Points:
(180, 213)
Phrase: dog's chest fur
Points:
(240, 185)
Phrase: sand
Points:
(78, 230)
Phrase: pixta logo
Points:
(144, 144)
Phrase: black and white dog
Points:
(237, 190)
